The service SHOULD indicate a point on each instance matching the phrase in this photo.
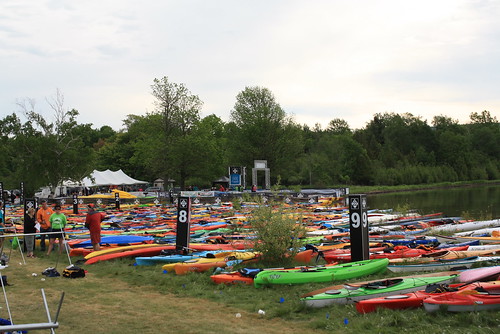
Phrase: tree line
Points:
(174, 142)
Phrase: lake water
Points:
(478, 202)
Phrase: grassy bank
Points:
(416, 187)
(118, 297)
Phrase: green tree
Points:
(484, 117)
(134, 149)
(208, 151)
(179, 111)
(48, 153)
(261, 130)
(9, 127)
(338, 126)
(484, 132)
(342, 160)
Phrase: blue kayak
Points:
(117, 240)
(162, 259)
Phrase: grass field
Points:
(118, 297)
(416, 187)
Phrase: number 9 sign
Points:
(355, 219)
(365, 219)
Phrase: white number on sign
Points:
(183, 216)
(355, 219)
(365, 219)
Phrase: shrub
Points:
(277, 234)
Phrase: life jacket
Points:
(73, 271)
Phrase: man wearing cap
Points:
(93, 223)
(42, 217)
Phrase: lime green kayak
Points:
(321, 274)
(387, 287)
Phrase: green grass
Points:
(412, 187)
(283, 302)
(123, 293)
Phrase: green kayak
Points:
(387, 287)
(321, 274)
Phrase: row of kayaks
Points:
(400, 292)
(301, 274)
(435, 291)
(331, 253)
(469, 297)
(345, 294)
(147, 251)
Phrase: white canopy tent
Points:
(109, 178)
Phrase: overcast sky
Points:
(321, 59)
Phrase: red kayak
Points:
(81, 251)
(399, 254)
(151, 251)
(485, 298)
(416, 299)
(232, 278)
(344, 255)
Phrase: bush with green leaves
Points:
(278, 233)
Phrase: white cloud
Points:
(322, 59)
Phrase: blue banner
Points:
(234, 180)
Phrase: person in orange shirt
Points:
(42, 217)
(93, 222)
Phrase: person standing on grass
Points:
(93, 223)
(29, 227)
(42, 217)
(57, 223)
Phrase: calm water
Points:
(481, 202)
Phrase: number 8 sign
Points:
(183, 222)
(183, 216)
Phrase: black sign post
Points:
(183, 224)
(29, 203)
(2, 199)
(117, 201)
(358, 222)
(22, 192)
(75, 204)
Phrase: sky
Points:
(322, 60)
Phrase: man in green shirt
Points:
(57, 224)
